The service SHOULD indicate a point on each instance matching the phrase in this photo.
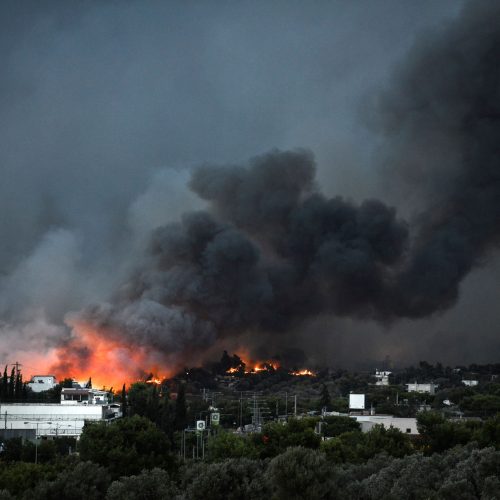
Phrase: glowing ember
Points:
(154, 380)
(253, 367)
(266, 366)
(303, 373)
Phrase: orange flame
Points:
(156, 381)
(267, 366)
(252, 367)
(110, 362)
(303, 373)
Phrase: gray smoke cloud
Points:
(272, 251)
(269, 253)
(445, 103)
(99, 103)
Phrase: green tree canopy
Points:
(126, 446)
(228, 445)
(82, 481)
(154, 484)
(334, 426)
(231, 479)
(301, 473)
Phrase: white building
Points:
(470, 383)
(382, 377)
(53, 419)
(73, 396)
(40, 383)
(429, 388)
(405, 425)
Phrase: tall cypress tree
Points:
(18, 385)
(12, 383)
(124, 401)
(5, 384)
(225, 363)
(324, 398)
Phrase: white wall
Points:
(423, 388)
(367, 422)
(40, 383)
(49, 419)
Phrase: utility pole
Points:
(241, 411)
(36, 444)
(286, 404)
(17, 365)
(255, 411)
(295, 405)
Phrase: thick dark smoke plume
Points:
(271, 251)
(442, 120)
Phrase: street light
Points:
(36, 439)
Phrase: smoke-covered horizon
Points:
(108, 113)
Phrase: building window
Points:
(408, 431)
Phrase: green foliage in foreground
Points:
(18, 477)
(83, 481)
(126, 447)
(150, 484)
(131, 459)
(231, 479)
(461, 473)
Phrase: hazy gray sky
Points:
(105, 106)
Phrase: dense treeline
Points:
(148, 455)
(12, 387)
(330, 388)
(133, 458)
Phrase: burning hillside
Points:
(237, 365)
(111, 362)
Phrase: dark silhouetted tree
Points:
(12, 383)
(225, 362)
(124, 401)
(324, 398)
(4, 389)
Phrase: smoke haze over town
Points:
(267, 176)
